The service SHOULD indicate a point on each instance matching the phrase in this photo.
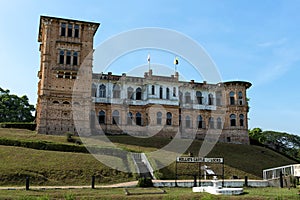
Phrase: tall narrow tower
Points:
(64, 44)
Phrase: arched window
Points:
(102, 91)
(101, 117)
(180, 97)
(199, 97)
(115, 117)
(158, 118)
(187, 96)
(218, 98)
(129, 118)
(241, 120)
(210, 99)
(174, 91)
(200, 122)
(167, 93)
(66, 102)
(232, 99)
(62, 57)
(130, 93)
(240, 95)
(68, 58)
(116, 91)
(75, 58)
(94, 90)
(232, 120)
(138, 93)
(169, 119)
(219, 123)
(138, 119)
(55, 102)
(187, 122)
(153, 89)
(160, 92)
(211, 122)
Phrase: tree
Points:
(14, 108)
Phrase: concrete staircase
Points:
(142, 165)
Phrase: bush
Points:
(20, 125)
(145, 182)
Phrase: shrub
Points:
(20, 125)
(145, 182)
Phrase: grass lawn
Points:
(171, 193)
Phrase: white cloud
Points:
(278, 42)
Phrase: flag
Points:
(148, 59)
(176, 61)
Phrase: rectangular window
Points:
(63, 29)
(75, 58)
(70, 28)
(61, 57)
(68, 60)
(174, 91)
(76, 31)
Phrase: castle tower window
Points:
(218, 98)
(160, 92)
(138, 119)
(219, 123)
(130, 93)
(158, 118)
(200, 122)
(68, 60)
(241, 119)
(70, 28)
(115, 117)
(167, 93)
(174, 91)
(169, 119)
(61, 57)
(75, 58)
(94, 90)
(63, 29)
(211, 122)
(76, 31)
(138, 94)
(232, 99)
(129, 118)
(210, 99)
(101, 117)
(153, 90)
(187, 97)
(199, 97)
(187, 122)
(232, 120)
(240, 95)
(55, 102)
(116, 91)
(102, 91)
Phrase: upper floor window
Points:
(160, 92)
(70, 29)
(169, 118)
(240, 95)
(63, 29)
(153, 90)
(130, 93)
(75, 58)
(187, 97)
(199, 97)
(232, 98)
(174, 91)
(241, 120)
(158, 118)
(138, 93)
(102, 91)
(167, 93)
(94, 90)
(232, 120)
(210, 99)
(68, 60)
(116, 91)
(76, 31)
(219, 123)
(218, 98)
(61, 57)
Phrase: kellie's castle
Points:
(150, 105)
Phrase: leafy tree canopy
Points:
(14, 108)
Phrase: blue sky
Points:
(256, 41)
